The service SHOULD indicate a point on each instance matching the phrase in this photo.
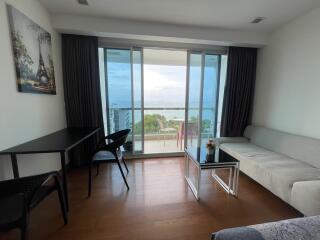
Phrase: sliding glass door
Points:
(202, 97)
(168, 98)
(123, 93)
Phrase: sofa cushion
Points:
(245, 150)
(302, 148)
(274, 171)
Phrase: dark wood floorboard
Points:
(158, 206)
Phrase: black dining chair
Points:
(18, 196)
(108, 153)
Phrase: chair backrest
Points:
(119, 134)
(119, 138)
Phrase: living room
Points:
(159, 119)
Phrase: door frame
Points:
(203, 52)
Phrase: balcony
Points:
(163, 130)
(162, 143)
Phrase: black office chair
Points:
(110, 152)
(18, 196)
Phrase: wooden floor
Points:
(159, 205)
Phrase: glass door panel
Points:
(137, 101)
(164, 100)
(203, 96)
(210, 97)
(194, 93)
(222, 81)
(119, 89)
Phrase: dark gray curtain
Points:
(82, 90)
(239, 91)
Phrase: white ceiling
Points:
(226, 14)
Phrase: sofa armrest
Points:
(305, 197)
(237, 234)
(293, 229)
(221, 140)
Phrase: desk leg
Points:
(64, 177)
(14, 163)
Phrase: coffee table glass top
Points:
(200, 156)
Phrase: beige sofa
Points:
(288, 165)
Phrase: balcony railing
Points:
(162, 130)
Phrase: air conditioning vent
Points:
(83, 2)
(258, 19)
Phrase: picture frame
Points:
(32, 53)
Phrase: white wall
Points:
(25, 116)
(115, 28)
(288, 78)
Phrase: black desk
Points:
(58, 142)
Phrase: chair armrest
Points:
(221, 140)
(305, 196)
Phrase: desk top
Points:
(59, 141)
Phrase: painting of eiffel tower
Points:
(32, 52)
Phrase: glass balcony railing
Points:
(162, 130)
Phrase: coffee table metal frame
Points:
(233, 180)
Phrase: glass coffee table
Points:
(218, 160)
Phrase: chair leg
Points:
(125, 164)
(24, 220)
(124, 178)
(90, 179)
(98, 166)
(62, 201)
(23, 232)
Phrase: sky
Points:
(164, 86)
